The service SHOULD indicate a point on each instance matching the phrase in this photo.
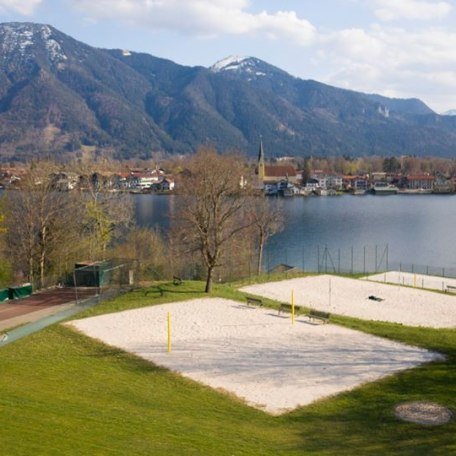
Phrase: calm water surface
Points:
(418, 229)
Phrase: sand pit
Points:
(339, 295)
(415, 280)
(253, 353)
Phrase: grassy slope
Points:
(63, 393)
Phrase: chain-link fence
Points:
(105, 278)
(360, 260)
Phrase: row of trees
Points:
(45, 231)
(364, 165)
(219, 225)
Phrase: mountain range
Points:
(58, 95)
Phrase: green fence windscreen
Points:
(96, 274)
(19, 292)
(4, 294)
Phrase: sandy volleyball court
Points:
(343, 296)
(416, 280)
(252, 352)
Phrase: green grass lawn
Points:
(64, 393)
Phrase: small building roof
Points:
(281, 268)
(279, 170)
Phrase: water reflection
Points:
(418, 228)
(154, 211)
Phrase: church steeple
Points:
(261, 171)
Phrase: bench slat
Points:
(287, 307)
(254, 301)
(319, 315)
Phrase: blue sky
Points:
(397, 48)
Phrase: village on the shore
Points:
(281, 177)
(284, 180)
(134, 180)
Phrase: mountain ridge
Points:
(58, 94)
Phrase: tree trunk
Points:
(260, 254)
(209, 279)
(30, 265)
(42, 268)
(43, 257)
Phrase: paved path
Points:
(42, 304)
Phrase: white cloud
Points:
(390, 10)
(391, 60)
(201, 17)
(24, 7)
(353, 43)
(286, 24)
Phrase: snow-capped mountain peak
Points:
(20, 38)
(248, 68)
(231, 63)
(451, 112)
(17, 38)
(53, 47)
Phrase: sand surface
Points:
(415, 280)
(252, 352)
(343, 296)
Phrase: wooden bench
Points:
(285, 307)
(318, 315)
(177, 280)
(254, 301)
(450, 289)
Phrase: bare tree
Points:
(108, 214)
(148, 247)
(39, 220)
(107, 218)
(267, 220)
(213, 204)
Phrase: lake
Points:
(350, 233)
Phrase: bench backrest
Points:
(319, 313)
